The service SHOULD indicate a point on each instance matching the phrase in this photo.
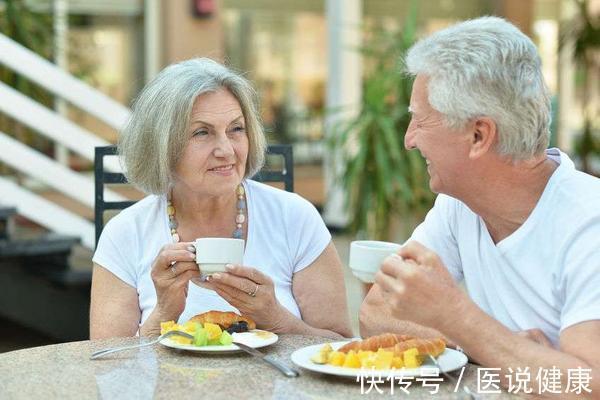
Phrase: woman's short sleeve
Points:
(117, 249)
(307, 235)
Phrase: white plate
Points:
(255, 338)
(449, 360)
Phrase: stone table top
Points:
(64, 371)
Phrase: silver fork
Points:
(465, 389)
(102, 353)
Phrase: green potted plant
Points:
(381, 178)
(583, 31)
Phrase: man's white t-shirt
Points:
(285, 235)
(546, 274)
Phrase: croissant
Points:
(435, 347)
(223, 318)
(375, 342)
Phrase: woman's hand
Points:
(171, 271)
(253, 293)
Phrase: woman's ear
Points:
(483, 137)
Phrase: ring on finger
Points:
(174, 269)
(253, 293)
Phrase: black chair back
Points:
(285, 175)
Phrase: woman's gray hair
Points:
(156, 135)
(487, 67)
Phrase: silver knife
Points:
(287, 371)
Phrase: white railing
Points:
(46, 213)
(51, 125)
(57, 81)
(59, 129)
(37, 165)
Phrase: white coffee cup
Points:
(212, 254)
(366, 257)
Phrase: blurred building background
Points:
(301, 55)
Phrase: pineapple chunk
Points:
(181, 340)
(326, 348)
(383, 359)
(411, 358)
(363, 355)
(189, 327)
(352, 360)
(213, 331)
(166, 326)
(320, 358)
(336, 358)
(368, 361)
(323, 355)
(397, 362)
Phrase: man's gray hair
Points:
(487, 67)
(156, 135)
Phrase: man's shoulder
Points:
(579, 192)
(585, 182)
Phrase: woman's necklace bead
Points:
(240, 217)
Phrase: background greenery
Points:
(583, 31)
(382, 180)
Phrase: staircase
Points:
(45, 244)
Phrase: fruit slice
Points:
(336, 358)
(397, 362)
(213, 330)
(323, 355)
(166, 326)
(411, 358)
(352, 360)
(225, 339)
(383, 359)
(201, 337)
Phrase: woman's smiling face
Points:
(214, 160)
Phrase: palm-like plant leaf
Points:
(380, 177)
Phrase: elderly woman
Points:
(193, 141)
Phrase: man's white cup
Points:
(212, 254)
(366, 257)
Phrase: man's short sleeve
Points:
(307, 235)
(437, 234)
(580, 281)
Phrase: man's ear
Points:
(483, 137)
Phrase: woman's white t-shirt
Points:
(285, 235)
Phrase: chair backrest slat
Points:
(286, 176)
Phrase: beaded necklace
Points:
(240, 216)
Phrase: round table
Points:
(64, 371)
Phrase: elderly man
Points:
(513, 220)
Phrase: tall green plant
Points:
(382, 179)
(584, 33)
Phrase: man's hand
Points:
(418, 287)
